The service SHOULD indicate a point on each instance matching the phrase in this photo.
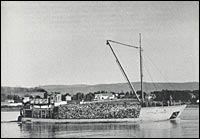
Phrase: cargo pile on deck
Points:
(97, 111)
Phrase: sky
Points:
(64, 43)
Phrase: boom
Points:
(117, 60)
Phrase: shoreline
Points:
(193, 106)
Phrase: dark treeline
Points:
(13, 92)
(164, 95)
(183, 95)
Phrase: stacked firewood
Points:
(97, 111)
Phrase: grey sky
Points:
(65, 42)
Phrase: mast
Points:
(117, 60)
(141, 74)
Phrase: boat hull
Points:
(146, 114)
(161, 113)
(40, 120)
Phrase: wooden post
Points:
(40, 113)
(32, 112)
(24, 111)
(37, 114)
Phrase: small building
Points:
(26, 99)
(104, 96)
(15, 104)
(53, 96)
(40, 101)
(68, 98)
(11, 101)
(58, 97)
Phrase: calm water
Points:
(187, 127)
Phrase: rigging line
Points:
(150, 76)
(160, 72)
(145, 67)
(123, 44)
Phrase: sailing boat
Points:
(95, 112)
(148, 113)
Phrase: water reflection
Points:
(148, 129)
(54, 130)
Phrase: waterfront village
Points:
(57, 98)
(101, 104)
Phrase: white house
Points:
(58, 97)
(68, 98)
(104, 96)
(55, 97)
(11, 101)
(26, 99)
(15, 104)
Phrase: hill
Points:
(118, 87)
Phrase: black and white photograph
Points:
(99, 69)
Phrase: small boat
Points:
(103, 112)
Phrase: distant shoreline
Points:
(193, 106)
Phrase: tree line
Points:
(164, 95)
(183, 95)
